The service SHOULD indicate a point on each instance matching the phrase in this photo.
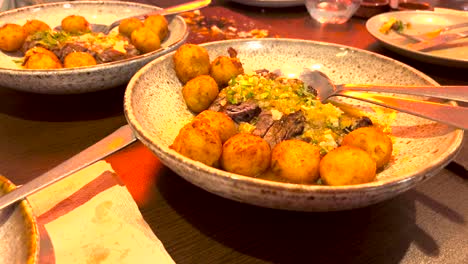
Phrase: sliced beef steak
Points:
(286, 128)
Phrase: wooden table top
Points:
(428, 224)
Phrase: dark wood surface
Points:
(428, 224)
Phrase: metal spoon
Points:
(185, 7)
(448, 114)
(428, 35)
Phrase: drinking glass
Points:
(332, 11)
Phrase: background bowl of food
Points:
(52, 31)
(219, 116)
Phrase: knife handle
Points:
(457, 93)
(448, 114)
(119, 139)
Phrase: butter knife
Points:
(107, 146)
(437, 41)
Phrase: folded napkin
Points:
(90, 217)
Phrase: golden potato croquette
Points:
(128, 25)
(75, 24)
(78, 59)
(158, 24)
(12, 37)
(190, 61)
(296, 161)
(246, 154)
(224, 68)
(200, 92)
(34, 25)
(347, 165)
(41, 58)
(220, 122)
(145, 40)
(373, 141)
(199, 142)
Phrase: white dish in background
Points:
(156, 111)
(271, 3)
(18, 230)
(86, 79)
(421, 22)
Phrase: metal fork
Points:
(185, 7)
(425, 36)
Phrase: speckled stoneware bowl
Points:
(18, 230)
(156, 111)
(85, 79)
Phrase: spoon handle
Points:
(448, 114)
(119, 139)
(457, 93)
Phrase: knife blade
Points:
(107, 146)
(437, 41)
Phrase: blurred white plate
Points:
(271, 3)
(86, 79)
(18, 230)
(421, 22)
(156, 111)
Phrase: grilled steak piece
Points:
(243, 112)
(286, 128)
(219, 103)
(363, 121)
(70, 48)
(265, 121)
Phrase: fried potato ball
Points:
(128, 25)
(78, 59)
(41, 58)
(200, 92)
(75, 24)
(246, 154)
(34, 25)
(145, 40)
(190, 61)
(373, 141)
(347, 165)
(12, 37)
(220, 122)
(296, 161)
(199, 142)
(224, 68)
(158, 24)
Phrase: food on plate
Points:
(128, 25)
(75, 24)
(78, 59)
(347, 165)
(190, 61)
(41, 58)
(394, 24)
(200, 92)
(12, 37)
(219, 121)
(274, 127)
(200, 142)
(158, 24)
(296, 160)
(224, 68)
(246, 154)
(373, 141)
(145, 39)
(75, 35)
(32, 26)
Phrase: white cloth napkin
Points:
(90, 217)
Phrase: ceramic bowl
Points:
(18, 230)
(86, 79)
(156, 111)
